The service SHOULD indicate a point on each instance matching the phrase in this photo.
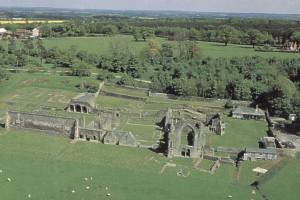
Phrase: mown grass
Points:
(284, 183)
(240, 133)
(49, 167)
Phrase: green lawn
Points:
(102, 45)
(240, 133)
(49, 167)
(284, 184)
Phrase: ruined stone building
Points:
(260, 154)
(215, 124)
(184, 135)
(83, 103)
(74, 128)
(248, 113)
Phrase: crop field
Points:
(23, 21)
(102, 45)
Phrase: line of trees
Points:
(240, 31)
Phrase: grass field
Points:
(240, 133)
(102, 45)
(284, 184)
(49, 167)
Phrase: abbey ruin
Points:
(183, 131)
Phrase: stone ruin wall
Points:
(50, 124)
(107, 137)
(69, 127)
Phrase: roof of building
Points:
(88, 98)
(249, 111)
(262, 151)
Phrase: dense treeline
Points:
(176, 68)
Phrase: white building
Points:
(35, 33)
(3, 30)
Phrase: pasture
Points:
(103, 45)
(49, 167)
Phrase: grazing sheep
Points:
(86, 179)
(106, 188)
(8, 179)
(29, 196)
(87, 187)
(229, 196)
(91, 178)
(73, 191)
(1, 170)
(108, 194)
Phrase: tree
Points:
(228, 34)
(12, 46)
(296, 38)
(255, 37)
(42, 51)
(109, 30)
(133, 67)
(80, 69)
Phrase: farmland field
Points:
(23, 21)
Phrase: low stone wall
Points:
(123, 96)
(189, 98)
(229, 150)
(50, 124)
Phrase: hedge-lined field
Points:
(102, 45)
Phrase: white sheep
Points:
(73, 191)
(1, 170)
(86, 179)
(8, 179)
(29, 196)
(87, 187)
(108, 194)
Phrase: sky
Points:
(243, 6)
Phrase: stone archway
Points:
(84, 109)
(77, 108)
(187, 136)
(186, 139)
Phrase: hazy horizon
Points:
(223, 6)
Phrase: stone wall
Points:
(108, 137)
(50, 124)
(68, 127)
(112, 94)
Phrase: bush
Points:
(88, 87)
(228, 104)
